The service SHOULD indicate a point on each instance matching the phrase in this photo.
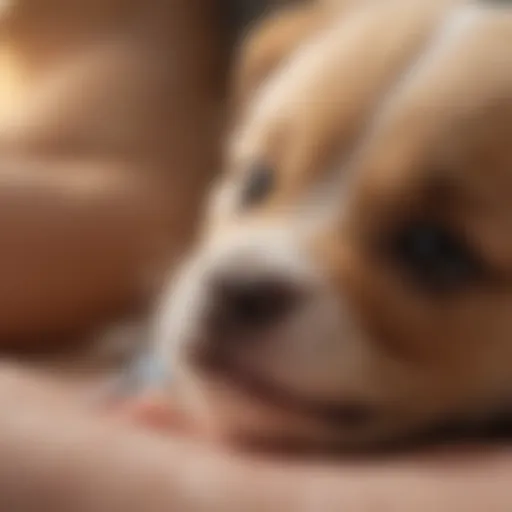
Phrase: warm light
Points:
(4, 5)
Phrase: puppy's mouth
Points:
(221, 366)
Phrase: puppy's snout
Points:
(245, 304)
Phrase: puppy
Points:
(352, 282)
(109, 120)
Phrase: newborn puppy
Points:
(353, 281)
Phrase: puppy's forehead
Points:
(447, 122)
(387, 90)
(452, 104)
(312, 111)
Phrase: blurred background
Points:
(112, 115)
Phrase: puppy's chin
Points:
(246, 416)
(245, 422)
(240, 410)
(231, 416)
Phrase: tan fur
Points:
(264, 50)
(394, 111)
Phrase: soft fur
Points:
(372, 116)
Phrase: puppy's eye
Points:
(258, 185)
(435, 257)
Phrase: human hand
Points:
(56, 454)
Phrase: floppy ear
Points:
(269, 43)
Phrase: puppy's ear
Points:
(269, 43)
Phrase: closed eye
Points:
(435, 257)
(258, 185)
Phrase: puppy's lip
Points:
(347, 413)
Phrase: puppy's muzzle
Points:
(248, 303)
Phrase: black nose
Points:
(249, 304)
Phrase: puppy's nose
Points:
(244, 304)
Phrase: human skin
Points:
(59, 455)
(106, 148)
(64, 224)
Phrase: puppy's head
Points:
(353, 283)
